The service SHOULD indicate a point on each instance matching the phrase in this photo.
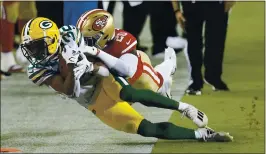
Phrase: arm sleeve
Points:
(126, 65)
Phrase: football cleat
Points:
(197, 116)
(209, 135)
(218, 85)
(169, 53)
(191, 91)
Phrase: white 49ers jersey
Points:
(124, 42)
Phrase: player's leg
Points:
(152, 99)
(121, 116)
(162, 72)
(27, 11)
(9, 11)
(116, 114)
(167, 69)
(169, 131)
(144, 76)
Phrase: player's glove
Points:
(83, 66)
(93, 51)
(71, 52)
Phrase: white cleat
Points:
(197, 116)
(165, 90)
(170, 54)
(209, 135)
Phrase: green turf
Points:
(241, 111)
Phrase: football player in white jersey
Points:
(105, 96)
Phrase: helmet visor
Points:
(90, 41)
(93, 40)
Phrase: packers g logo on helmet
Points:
(40, 40)
(46, 24)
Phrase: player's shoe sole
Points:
(223, 137)
(209, 135)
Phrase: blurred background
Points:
(130, 16)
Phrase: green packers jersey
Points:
(39, 73)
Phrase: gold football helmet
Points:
(97, 27)
(40, 40)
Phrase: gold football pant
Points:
(111, 110)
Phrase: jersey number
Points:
(67, 33)
(120, 36)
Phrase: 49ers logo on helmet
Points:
(100, 23)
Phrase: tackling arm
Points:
(123, 67)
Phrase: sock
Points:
(198, 135)
(165, 69)
(147, 98)
(165, 130)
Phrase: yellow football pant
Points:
(111, 110)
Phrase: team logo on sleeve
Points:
(100, 23)
(46, 24)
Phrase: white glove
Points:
(90, 50)
(83, 66)
(71, 52)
